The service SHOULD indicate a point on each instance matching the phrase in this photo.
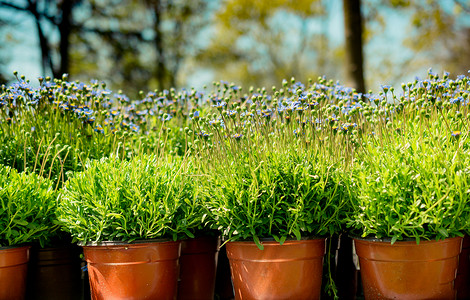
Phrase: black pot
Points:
(54, 273)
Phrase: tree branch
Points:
(109, 32)
(462, 6)
(28, 9)
(13, 6)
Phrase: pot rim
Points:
(271, 239)
(389, 239)
(122, 243)
(15, 246)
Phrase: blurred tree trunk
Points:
(177, 57)
(354, 44)
(160, 71)
(65, 29)
(60, 19)
(46, 59)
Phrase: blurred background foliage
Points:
(157, 44)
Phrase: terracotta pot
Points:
(289, 271)
(462, 281)
(198, 265)
(147, 270)
(406, 270)
(13, 272)
(54, 273)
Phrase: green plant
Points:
(62, 124)
(27, 211)
(279, 194)
(411, 186)
(271, 162)
(146, 197)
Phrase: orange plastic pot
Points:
(13, 272)
(406, 270)
(462, 282)
(54, 273)
(147, 270)
(198, 265)
(292, 270)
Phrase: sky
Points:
(23, 53)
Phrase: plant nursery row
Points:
(149, 188)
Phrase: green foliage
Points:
(27, 208)
(54, 128)
(414, 185)
(146, 197)
(280, 194)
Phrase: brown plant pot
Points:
(54, 273)
(13, 272)
(462, 281)
(406, 270)
(289, 271)
(147, 270)
(198, 265)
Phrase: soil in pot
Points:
(406, 270)
(13, 272)
(289, 271)
(54, 273)
(133, 271)
(198, 265)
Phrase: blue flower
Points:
(386, 88)
(266, 113)
(202, 133)
(231, 113)
(64, 107)
(219, 105)
(121, 98)
(431, 73)
(99, 128)
(217, 122)
(142, 112)
(296, 86)
(457, 100)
